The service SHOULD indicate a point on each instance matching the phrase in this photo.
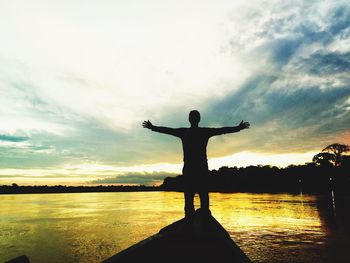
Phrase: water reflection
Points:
(88, 227)
(272, 228)
(335, 216)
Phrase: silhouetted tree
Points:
(345, 163)
(337, 150)
(324, 159)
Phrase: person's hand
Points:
(147, 124)
(244, 125)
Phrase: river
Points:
(89, 227)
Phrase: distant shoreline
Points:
(18, 190)
(41, 189)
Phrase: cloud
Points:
(7, 176)
(144, 178)
(340, 18)
(10, 138)
(321, 62)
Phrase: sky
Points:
(77, 78)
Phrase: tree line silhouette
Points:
(328, 171)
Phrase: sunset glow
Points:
(77, 79)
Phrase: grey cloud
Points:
(288, 115)
(285, 35)
(10, 138)
(291, 109)
(283, 49)
(322, 62)
(340, 19)
(135, 178)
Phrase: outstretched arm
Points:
(218, 131)
(165, 130)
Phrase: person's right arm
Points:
(160, 129)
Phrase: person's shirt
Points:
(194, 142)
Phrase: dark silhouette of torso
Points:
(194, 145)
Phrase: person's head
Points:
(194, 117)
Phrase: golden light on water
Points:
(93, 226)
(264, 210)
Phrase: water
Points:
(89, 227)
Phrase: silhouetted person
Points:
(194, 144)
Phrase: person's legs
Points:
(189, 206)
(204, 192)
(204, 197)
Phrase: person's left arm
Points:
(231, 129)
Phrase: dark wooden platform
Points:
(201, 239)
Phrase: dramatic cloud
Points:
(298, 99)
(321, 63)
